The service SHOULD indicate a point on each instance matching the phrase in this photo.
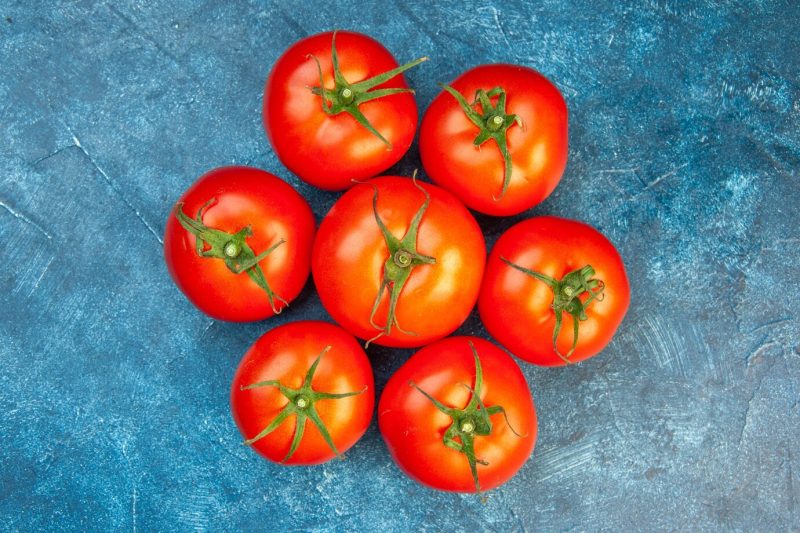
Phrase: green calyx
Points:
(346, 97)
(402, 260)
(301, 405)
(567, 293)
(492, 121)
(470, 422)
(231, 248)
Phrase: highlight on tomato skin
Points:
(432, 415)
(398, 262)
(303, 393)
(238, 243)
(497, 137)
(555, 291)
(330, 128)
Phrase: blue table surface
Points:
(684, 150)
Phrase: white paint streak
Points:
(746, 424)
(123, 445)
(39, 279)
(721, 366)
(665, 344)
(617, 170)
(500, 27)
(778, 243)
(134, 497)
(20, 216)
(667, 175)
(564, 459)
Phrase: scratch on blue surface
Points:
(567, 461)
(116, 190)
(41, 275)
(666, 175)
(666, 345)
(25, 219)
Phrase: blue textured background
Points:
(684, 151)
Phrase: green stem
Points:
(567, 293)
(492, 123)
(232, 248)
(302, 405)
(403, 258)
(470, 422)
(346, 97)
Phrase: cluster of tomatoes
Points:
(398, 262)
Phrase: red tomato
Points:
(303, 393)
(523, 116)
(238, 243)
(409, 283)
(448, 437)
(365, 123)
(544, 268)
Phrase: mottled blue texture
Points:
(684, 150)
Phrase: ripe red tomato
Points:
(458, 416)
(525, 117)
(398, 262)
(238, 243)
(303, 393)
(555, 291)
(363, 125)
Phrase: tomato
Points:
(525, 118)
(238, 243)
(363, 125)
(303, 393)
(555, 291)
(398, 262)
(458, 416)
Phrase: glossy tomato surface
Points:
(517, 308)
(330, 151)
(285, 354)
(413, 427)
(538, 148)
(350, 252)
(241, 197)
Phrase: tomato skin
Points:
(349, 253)
(413, 428)
(331, 151)
(516, 309)
(274, 210)
(475, 175)
(285, 354)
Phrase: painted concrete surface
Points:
(685, 146)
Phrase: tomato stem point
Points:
(470, 422)
(346, 97)
(403, 258)
(567, 293)
(232, 248)
(492, 123)
(301, 404)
